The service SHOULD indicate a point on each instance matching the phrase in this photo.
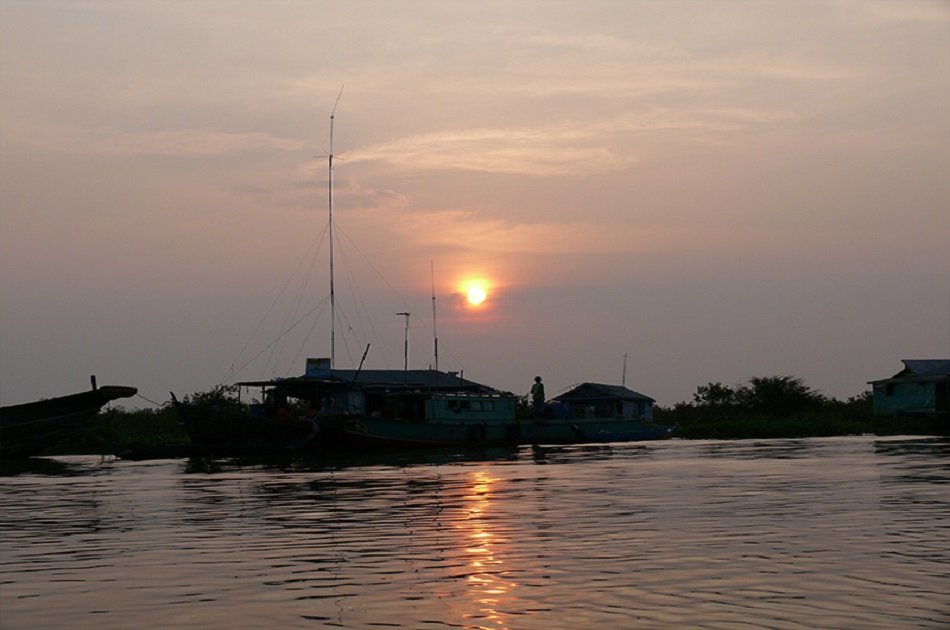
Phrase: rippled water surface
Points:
(829, 533)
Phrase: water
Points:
(817, 533)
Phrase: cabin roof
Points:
(920, 369)
(422, 379)
(599, 391)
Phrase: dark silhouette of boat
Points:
(319, 410)
(30, 428)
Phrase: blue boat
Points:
(594, 412)
(421, 418)
(588, 413)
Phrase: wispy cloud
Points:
(525, 151)
(183, 142)
(930, 11)
(569, 148)
(469, 231)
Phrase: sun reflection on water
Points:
(489, 587)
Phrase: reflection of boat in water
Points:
(30, 428)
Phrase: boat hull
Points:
(214, 431)
(30, 428)
(401, 433)
(396, 432)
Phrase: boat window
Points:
(488, 405)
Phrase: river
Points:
(811, 533)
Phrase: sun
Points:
(474, 291)
(476, 295)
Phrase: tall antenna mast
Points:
(330, 234)
(623, 376)
(405, 365)
(435, 331)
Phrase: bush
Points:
(115, 429)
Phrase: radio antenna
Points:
(435, 330)
(330, 234)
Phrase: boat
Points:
(291, 414)
(28, 429)
(425, 418)
(596, 412)
(325, 409)
(331, 409)
(430, 418)
(309, 412)
(646, 432)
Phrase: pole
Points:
(330, 235)
(405, 366)
(435, 331)
(623, 377)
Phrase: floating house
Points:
(921, 388)
(594, 400)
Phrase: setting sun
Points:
(476, 295)
(474, 291)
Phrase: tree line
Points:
(780, 407)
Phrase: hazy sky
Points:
(717, 190)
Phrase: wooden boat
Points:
(30, 428)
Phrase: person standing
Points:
(537, 396)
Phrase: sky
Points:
(660, 194)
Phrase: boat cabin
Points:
(354, 392)
(595, 400)
(421, 406)
(921, 388)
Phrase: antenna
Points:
(330, 235)
(623, 376)
(435, 331)
(405, 366)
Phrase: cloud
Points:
(932, 12)
(182, 143)
(575, 148)
(470, 231)
(525, 151)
